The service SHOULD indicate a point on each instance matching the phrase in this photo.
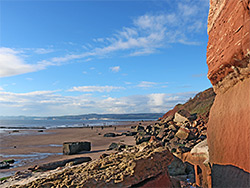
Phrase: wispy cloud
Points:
(29, 79)
(147, 34)
(146, 84)
(151, 32)
(43, 51)
(95, 88)
(44, 103)
(12, 63)
(115, 69)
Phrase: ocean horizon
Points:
(61, 123)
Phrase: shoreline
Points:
(31, 147)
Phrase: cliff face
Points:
(228, 49)
(228, 60)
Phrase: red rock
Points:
(228, 59)
(152, 139)
(182, 133)
(229, 127)
(162, 180)
(228, 49)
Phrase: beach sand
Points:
(30, 147)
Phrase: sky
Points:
(60, 57)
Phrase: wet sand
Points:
(30, 147)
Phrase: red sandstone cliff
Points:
(228, 60)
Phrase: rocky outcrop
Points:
(228, 48)
(137, 166)
(228, 60)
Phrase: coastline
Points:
(31, 147)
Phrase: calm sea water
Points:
(38, 124)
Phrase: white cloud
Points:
(147, 34)
(1, 89)
(127, 83)
(151, 32)
(29, 79)
(146, 84)
(95, 88)
(47, 103)
(115, 69)
(43, 51)
(11, 63)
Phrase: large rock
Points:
(182, 133)
(199, 157)
(139, 166)
(70, 148)
(177, 167)
(110, 135)
(179, 118)
(228, 59)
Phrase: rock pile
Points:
(180, 134)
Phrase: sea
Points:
(61, 123)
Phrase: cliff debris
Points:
(121, 169)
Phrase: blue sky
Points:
(77, 57)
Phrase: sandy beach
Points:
(30, 147)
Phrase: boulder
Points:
(4, 165)
(161, 133)
(110, 135)
(148, 128)
(141, 139)
(117, 146)
(113, 146)
(130, 133)
(70, 148)
(199, 157)
(172, 127)
(177, 167)
(182, 133)
(181, 116)
(139, 127)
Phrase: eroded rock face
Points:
(125, 169)
(228, 49)
(229, 127)
(228, 59)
